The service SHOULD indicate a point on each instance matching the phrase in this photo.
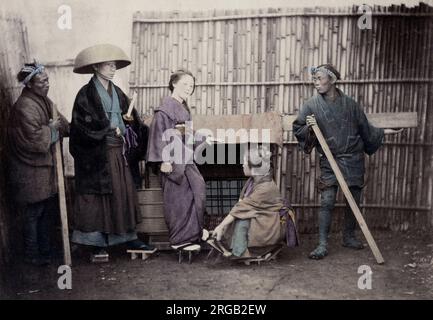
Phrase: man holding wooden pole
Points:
(35, 126)
(347, 136)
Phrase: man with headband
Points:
(32, 133)
(349, 136)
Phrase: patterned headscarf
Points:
(328, 69)
(32, 70)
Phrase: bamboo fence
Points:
(258, 60)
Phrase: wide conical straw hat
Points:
(97, 54)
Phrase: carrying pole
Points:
(348, 195)
(62, 200)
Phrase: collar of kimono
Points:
(183, 104)
(259, 179)
(324, 70)
(174, 109)
(44, 102)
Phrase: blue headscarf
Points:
(328, 69)
(34, 70)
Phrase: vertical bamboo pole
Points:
(241, 61)
(224, 74)
(218, 67)
(261, 90)
(248, 66)
(204, 66)
(210, 67)
(230, 67)
(255, 66)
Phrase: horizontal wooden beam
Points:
(260, 121)
(394, 120)
(385, 143)
(381, 120)
(366, 206)
(269, 120)
(139, 19)
(132, 85)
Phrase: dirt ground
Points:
(407, 274)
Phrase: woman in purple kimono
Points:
(184, 189)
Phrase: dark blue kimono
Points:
(347, 132)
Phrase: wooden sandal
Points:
(214, 243)
(190, 248)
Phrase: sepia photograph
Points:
(232, 152)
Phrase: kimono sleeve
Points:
(31, 133)
(178, 173)
(305, 136)
(64, 125)
(139, 152)
(160, 123)
(85, 129)
(370, 135)
(249, 207)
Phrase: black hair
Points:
(175, 77)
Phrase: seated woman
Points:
(253, 227)
(184, 189)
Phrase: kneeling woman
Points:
(253, 227)
(106, 206)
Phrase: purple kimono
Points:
(184, 189)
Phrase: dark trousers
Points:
(38, 218)
(327, 203)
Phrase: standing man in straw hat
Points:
(101, 142)
(349, 135)
(32, 134)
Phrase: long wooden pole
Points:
(62, 200)
(348, 195)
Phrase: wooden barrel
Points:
(152, 212)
